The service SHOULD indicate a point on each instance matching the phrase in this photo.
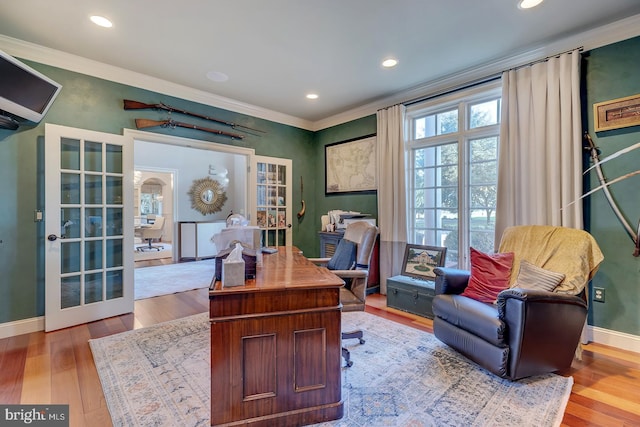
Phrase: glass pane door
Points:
(273, 214)
(86, 262)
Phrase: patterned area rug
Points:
(401, 377)
(172, 278)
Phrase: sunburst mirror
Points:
(207, 196)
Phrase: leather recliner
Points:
(525, 332)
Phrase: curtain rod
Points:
(579, 49)
(453, 89)
(483, 80)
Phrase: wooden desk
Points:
(275, 345)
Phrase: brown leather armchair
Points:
(526, 332)
(354, 270)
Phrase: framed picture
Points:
(419, 261)
(261, 219)
(617, 113)
(350, 166)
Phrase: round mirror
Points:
(207, 196)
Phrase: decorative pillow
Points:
(531, 276)
(344, 258)
(490, 274)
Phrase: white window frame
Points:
(461, 100)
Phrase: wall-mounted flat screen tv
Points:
(24, 92)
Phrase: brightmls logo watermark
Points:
(34, 415)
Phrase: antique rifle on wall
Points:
(135, 105)
(146, 123)
(604, 185)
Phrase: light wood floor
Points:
(57, 367)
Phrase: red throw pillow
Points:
(490, 274)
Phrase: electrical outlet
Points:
(598, 294)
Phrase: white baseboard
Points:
(19, 327)
(611, 338)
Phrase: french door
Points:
(274, 200)
(88, 209)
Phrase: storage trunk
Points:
(411, 295)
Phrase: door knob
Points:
(53, 237)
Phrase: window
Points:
(453, 171)
(151, 198)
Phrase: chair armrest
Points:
(350, 274)
(530, 296)
(355, 282)
(543, 329)
(451, 280)
(319, 261)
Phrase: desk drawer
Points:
(413, 296)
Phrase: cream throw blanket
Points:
(563, 250)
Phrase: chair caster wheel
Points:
(349, 363)
(362, 341)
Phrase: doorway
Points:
(175, 164)
(153, 198)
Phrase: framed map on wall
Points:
(350, 166)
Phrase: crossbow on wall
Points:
(634, 234)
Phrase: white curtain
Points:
(392, 206)
(540, 161)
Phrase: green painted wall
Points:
(91, 103)
(85, 102)
(365, 203)
(613, 72)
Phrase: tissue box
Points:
(248, 255)
(232, 273)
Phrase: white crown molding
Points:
(617, 31)
(611, 33)
(66, 61)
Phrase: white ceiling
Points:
(276, 51)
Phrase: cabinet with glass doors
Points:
(273, 201)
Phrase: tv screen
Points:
(24, 92)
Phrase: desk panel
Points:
(276, 346)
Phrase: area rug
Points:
(159, 376)
(172, 278)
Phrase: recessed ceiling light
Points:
(312, 96)
(388, 63)
(528, 4)
(101, 21)
(217, 76)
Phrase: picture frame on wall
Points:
(351, 166)
(420, 260)
(617, 113)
